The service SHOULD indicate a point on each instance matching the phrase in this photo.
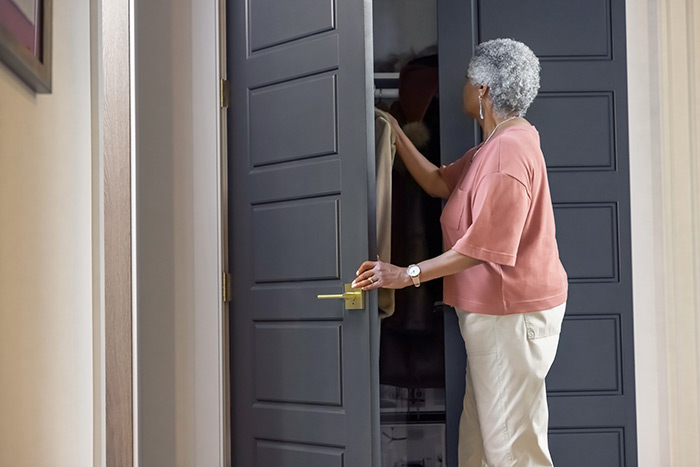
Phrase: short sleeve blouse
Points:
(500, 212)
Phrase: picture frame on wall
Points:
(25, 41)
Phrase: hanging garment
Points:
(412, 353)
(412, 343)
(385, 150)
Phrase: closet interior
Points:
(412, 360)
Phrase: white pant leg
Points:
(471, 445)
(509, 357)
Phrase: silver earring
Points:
(481, 110)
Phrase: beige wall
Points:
(664, 111)
(46, 377)
(679, 110)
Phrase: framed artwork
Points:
(25, 41)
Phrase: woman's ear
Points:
(483, 91)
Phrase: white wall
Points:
(403, 28)
(46, 298)
(178, 256)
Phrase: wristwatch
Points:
(414, 273)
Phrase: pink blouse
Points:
(500, 211)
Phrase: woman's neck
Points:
(492, 122)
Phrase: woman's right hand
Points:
(424, 172)
(395, 126)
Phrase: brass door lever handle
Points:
(354, 298)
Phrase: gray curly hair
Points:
(511, 71)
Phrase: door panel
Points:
(303, 370)
(573, 150)
(314, 378)
(602, 448)
(588, 241)
(581, 114)
(271, 454)
(281, 230)
(270, 23)
(589, 338)
(300, 113)
(554, 29)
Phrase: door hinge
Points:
(224, 93)
(226, 287)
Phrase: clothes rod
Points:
(386, 75)
(389, 93)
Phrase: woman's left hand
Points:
(376, 274)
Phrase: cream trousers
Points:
(505, 416)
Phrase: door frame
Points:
(123, 431)
(114, 94)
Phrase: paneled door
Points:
(581, 114)
(304, 371)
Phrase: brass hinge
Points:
(226, 287)
(224, 93)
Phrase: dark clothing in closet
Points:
(412, 343)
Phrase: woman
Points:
(501, 262)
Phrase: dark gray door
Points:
(581, 114)
(304, 388)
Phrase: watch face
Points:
(413, 270)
